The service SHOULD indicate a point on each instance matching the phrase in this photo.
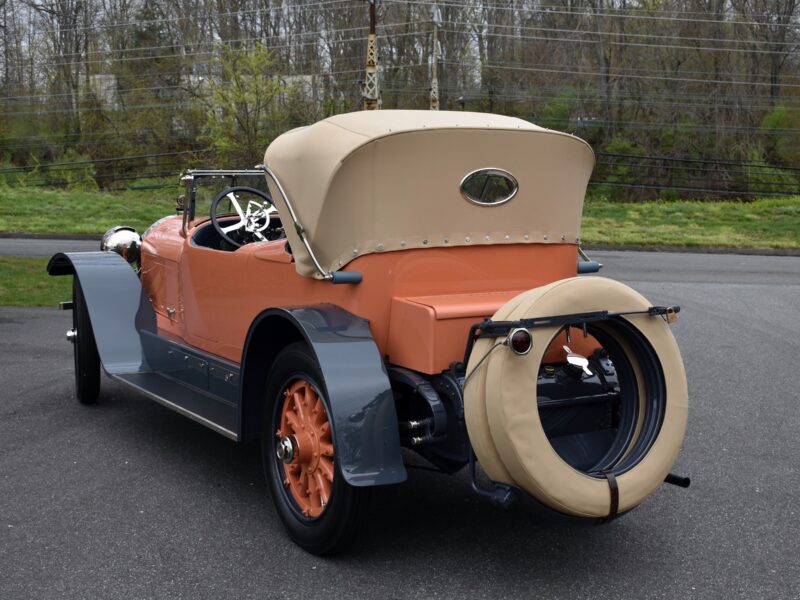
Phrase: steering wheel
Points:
(253, 221)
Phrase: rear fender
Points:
(118, 307)
(356, 384)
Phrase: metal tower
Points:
(371, 93)
(436, 18)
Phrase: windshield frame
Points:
(193, 178)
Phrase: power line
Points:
(423, 31)
(618, 71)
(725, 164)
(624, 43)
(195, 17)
(570, 95)
(620, 34)
(704, 161)
(558, 10)
(696, 190)
(99, 160)
(580, 123)
(511, 67)
(631, 76)
(228, 43)
(668, 178)
(577, 96)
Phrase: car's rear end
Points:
(569, 391)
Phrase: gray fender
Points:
(356, 385)
(118, 308)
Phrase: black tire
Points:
(87, 360)
(338, 524)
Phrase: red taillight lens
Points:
(520, 341)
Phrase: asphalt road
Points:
(128, 500)
(45, 246)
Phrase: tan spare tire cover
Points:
(503, 419)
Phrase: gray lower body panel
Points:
(198, 405)
(202, 387)
(208, 389)
(198, 385)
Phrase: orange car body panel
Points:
(419, 303)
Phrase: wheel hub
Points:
(285, 450)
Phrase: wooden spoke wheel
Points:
(306, 449)
(320, 510)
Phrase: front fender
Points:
(118, 307)
(357, 388)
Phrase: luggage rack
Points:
(494, 329)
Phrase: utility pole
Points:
(436, 18)
(371, 93)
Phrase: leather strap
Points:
(613, 489)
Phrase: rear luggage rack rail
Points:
(495, 329)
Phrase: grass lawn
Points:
(767, 223)
(25, 282)
(37, 210)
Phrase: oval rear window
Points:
(489, 187)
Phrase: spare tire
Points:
(503, 419)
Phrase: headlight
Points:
(124, 241)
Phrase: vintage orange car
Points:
(393, 280)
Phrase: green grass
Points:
(37, 210)
(767, 223)
(25, 282)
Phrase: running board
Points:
(198, 385)
(200, 406)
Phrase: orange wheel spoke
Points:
(326, 466)
(293, 420)
(310, 476)
(300, 407)
(312, 485)
(303, 479)
(321, 486)
(319, 413)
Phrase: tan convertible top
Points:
(379, 181)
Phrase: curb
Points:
(78, 237)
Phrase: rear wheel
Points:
(87, 360)
(320, 510)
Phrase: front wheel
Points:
(320, 510)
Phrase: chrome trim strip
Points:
(180, 410)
